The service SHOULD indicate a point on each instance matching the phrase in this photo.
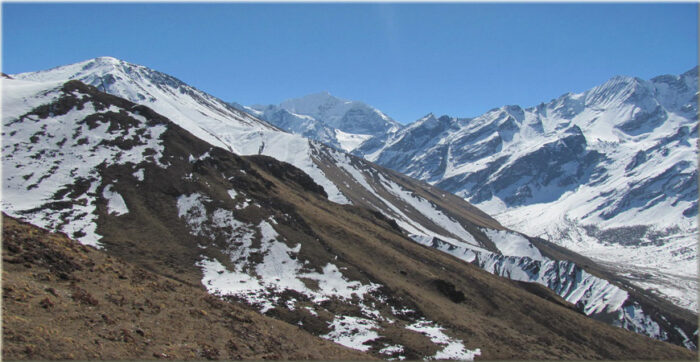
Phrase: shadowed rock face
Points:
(675, 184)
(541, 176)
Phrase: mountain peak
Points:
(318, 95)
(102, 61)
(103, 64)
(346, 115)
(312, 103)
(429, 121)
(693, 72)
(617, 89)
(107, 60)
(426, 117)
(96, 66)
(325, 93)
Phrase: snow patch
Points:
(139, 174)
(191, 208)
(279, 268)
(115, 202)
(350, 141)
(454, 348)
(513, 244)
(352, 332)
(393, 349)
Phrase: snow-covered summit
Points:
(93, 69)
(338, 122)
(342, 114)
(315, 104)
(202, 114)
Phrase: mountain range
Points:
(155, 172)
(610, 173)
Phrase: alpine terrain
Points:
(337, 122)
(170, 179)
(610, 173)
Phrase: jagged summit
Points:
(615, 91)
(610, 172)
(430, 121)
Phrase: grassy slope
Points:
(62, 300)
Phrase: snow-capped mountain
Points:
(201, 114)
(346, 179)
(116, 175)
(610, 173)
(337, 122)
(76, 160)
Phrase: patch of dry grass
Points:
(62, 300)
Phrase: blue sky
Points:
(405, 59)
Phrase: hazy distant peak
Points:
(426, 117)
(313, 103)
(693, 72)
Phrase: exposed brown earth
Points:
(62, 300)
